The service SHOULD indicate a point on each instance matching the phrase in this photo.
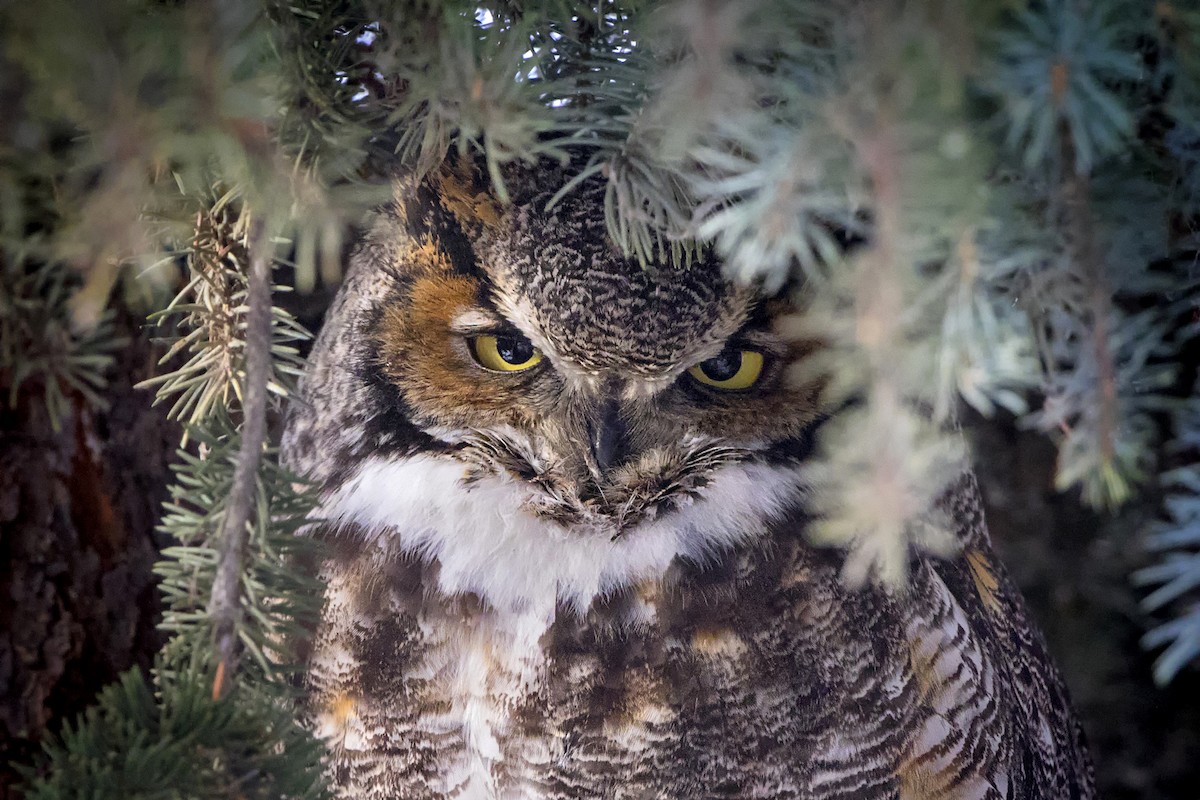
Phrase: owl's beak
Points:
(608, 438)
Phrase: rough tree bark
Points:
(78, 508)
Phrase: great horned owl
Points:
(564, 498)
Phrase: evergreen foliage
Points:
(1177, 538)
(171, 740)
(196, 731)
(37, 343)
(42, 348)
(990, 201)
(212, 311)
(281, 600)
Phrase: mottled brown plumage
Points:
(589, 578)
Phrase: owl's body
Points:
(564, 499)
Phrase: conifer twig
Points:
(225, 607)
(1088, 262)
(1099, 298)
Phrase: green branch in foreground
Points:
(170, 739)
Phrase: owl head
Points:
(498, 376)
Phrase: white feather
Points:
(516, 561)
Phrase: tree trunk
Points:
(78, 508)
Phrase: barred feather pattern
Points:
(758, 677)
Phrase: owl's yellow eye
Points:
(509, 352)
(732, 370)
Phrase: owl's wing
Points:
(798, 686)
(1047, 754)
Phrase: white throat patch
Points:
(517, 562)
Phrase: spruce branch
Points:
(888, 503)
(42, 348)
(281, 597)
(212, 310)
(885, 463)
(1176, 542)
(49, 352)
(986, 353)
(198, 727)
(170, 739)
(467, 76)
(225, 607)
(1102, 366)
(1067, 73)
(601, 108)
(742, 104)
(1087, 258)
(772, 200)
(1057, 65)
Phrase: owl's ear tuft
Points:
(464, 192)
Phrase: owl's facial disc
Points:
(606, 442)
(614, 393)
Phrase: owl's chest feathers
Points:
(491, 666)
(517, 706)
(494, 588)
(482, 540)
(471, 651)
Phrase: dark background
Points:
(1073, 566)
